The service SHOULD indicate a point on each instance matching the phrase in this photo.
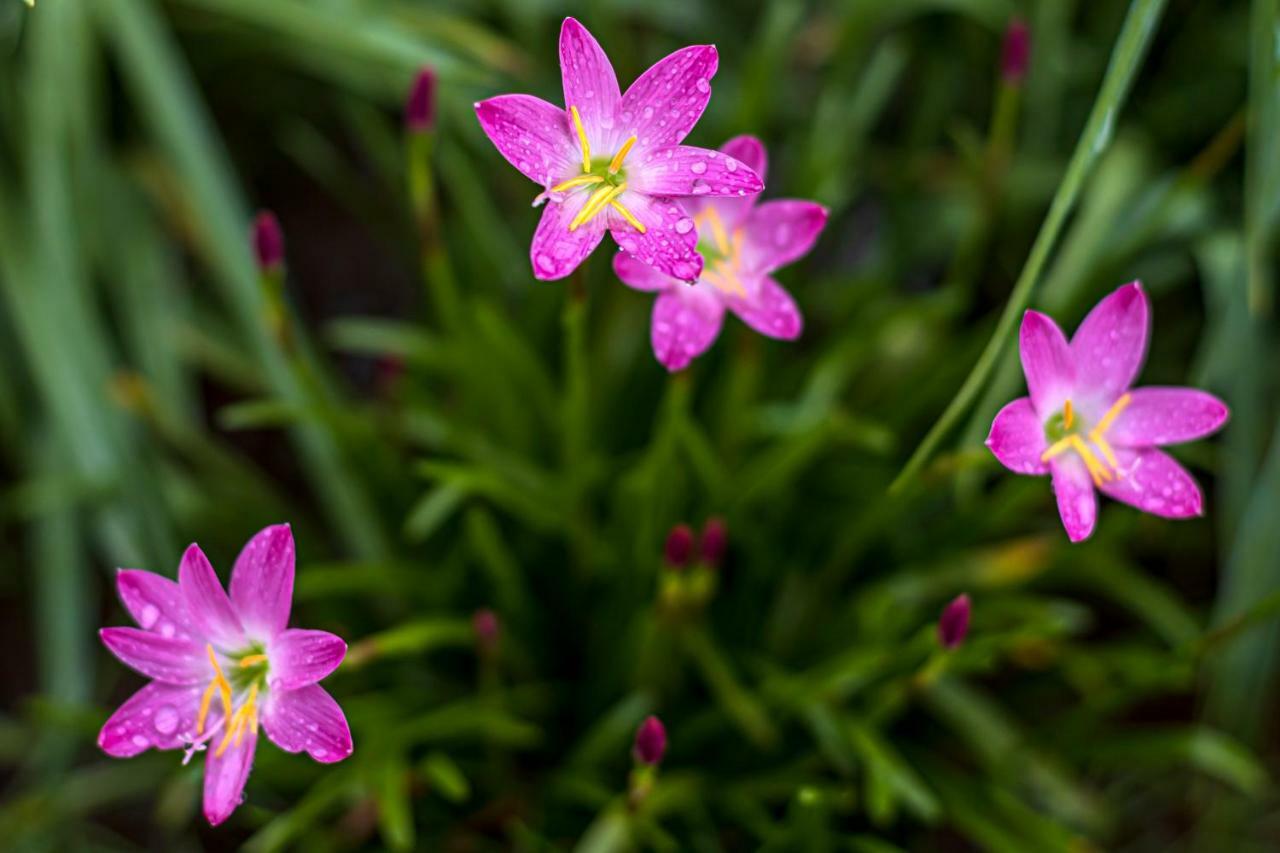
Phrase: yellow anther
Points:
(1068, 415)
(596, 203)
(580, 181)
(627, 215)
(616, 163)
(252, 660)
(582, 139)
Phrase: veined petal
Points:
(1017, 438)
(1167, 416)
(1047, 363)
(665, 102)
(1154, 482)
(225, 776)
(685, 170)
(533, 135)
(307, 719)
(636, 274)
(159, 715)
(262, 582)
(733, 211)
(750, 152)
(781, 232)
(1111, 343)
(208, 607)
(301, 657)
(669, 242)
(154, 602)
(684, 326)
(557, 251)
(167, 659)
(1077, 502)
(589, 84)
(769, 310)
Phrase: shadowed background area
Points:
(447, 434)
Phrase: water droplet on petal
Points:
(702, 85)
(139, 740)
(166, 721)
(684, 226)
(731, 164)
(698, 168)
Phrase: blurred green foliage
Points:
(445, 433)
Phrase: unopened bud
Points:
(953, 625)
(651, 741)
(484, 623)
(268, 242)
(1016, 55)
(679, 546)
(420, 108)
(715, 540)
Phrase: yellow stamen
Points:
(580, 181)
(1068, 416)
(218, 683)
(246, 718)
(582, 139)
(595, 204)
(1059, 447)
(616, 163)
(627, 215)
(717, 230)
(1112, 413)
(1097, 470)
(252, 660)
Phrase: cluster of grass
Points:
(446, 434)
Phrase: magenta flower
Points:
(953, 624)
(1083, 425)
(743, 243)
(651, 741)
(220, 666)
(614, 161)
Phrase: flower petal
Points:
(307, 718)
(665, 102)
(733, 211)
(557, 251)
(781, 232)
(1017, 438)
(533, 135)
(1047, 363)
(750, 152)
(159, 715)
(300, 657)
(1077, 502)
(208, 607)
(154, 602)
(225, 775)
(1154, 482)
(1111, 343)
(685, 170)
(167, 659)
(636, 274)
(262, 582)
(770, 310)
(684, 327)
(590, 85)
(1167, 416)
(670, 240)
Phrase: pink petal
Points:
(262, 582)
(225, 776)
(665, 102)
(1017, 438)
(167, 659)
(750, 152)
(670, 240)
(781, 232)
(590, 85)
(770, 311)
(556, 250)
(684, 327)
(684, 170)
(159, 715)
(307, 718)
(1167, 416)
(1047, 363)
(1152, 481)
(1111, 343)
(208, 607)
(300, 657)
(533, 135)
(154, 602)
(1077, 503)
(636, 274)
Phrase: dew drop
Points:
(731, 164)
(684, 226)
(166, 721)
(150, 613)
(698, 168)
(139, 740)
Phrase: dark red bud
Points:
(651, 741)
(487, 628)
(953, 625)
(1017, 52)
(268, 241)
(679, 546)
(420, 108)
(715, 541)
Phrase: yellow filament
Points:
(580, 181)
(252, 660)
(582, 139)
(595, 203)
(246, 717)
(723, 278)
(717, 230)
(1059, 447)
(1107, 452)
(1112, 413)
(616, 164)
(218, 683)
(1097, 470)
(627, 215)
(1068, 415)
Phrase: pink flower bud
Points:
(1017, 52)
(268, 241)
(651, 741)
(954, 622)
(420, 108)
(715, 540)
(484, 623)
(679, 546)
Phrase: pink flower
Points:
(953, 624)
(1084, 425)
(743, 243)
(614, 161)
(651, 741)
(220, 666)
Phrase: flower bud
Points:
(715, 540)
(678, 547)
(954, 622)
(268, 242)
(420, 108)
(484, 623)
(1017, 52)
(651, 742)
